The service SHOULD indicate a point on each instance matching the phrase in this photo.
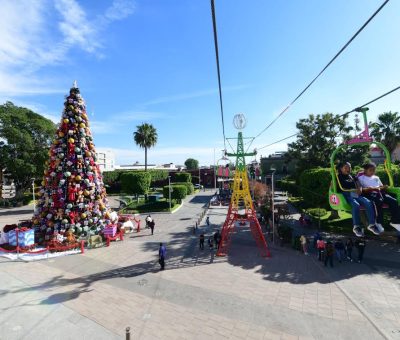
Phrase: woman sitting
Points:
(374, 190)
(352, 192)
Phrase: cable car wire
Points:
(323, 70)
(218, 68)
(342, 115)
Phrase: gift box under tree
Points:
(110, 230)
(25, 238)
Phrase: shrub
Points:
(189, 188)
(183, 177)
(314, 187)
(135, 182)
(111, 177)
(178, 192)
(158, 175)
(288, 185)
(317, 212)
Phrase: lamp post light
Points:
(33, 194)
(169, 192)
(273, 204)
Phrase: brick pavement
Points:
(199, 296)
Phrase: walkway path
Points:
(198, 296)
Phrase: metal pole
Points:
(128, 333)
(273, 207)
(33, 194)
(199, 179)
(169, 192)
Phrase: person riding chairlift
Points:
(352, 192)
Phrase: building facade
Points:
(105, 159)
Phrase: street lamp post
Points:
(33, 194)
(169, 192)
(273, 205)
(215, 174)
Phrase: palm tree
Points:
(145, 137)
(387, 129)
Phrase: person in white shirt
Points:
(374, 190)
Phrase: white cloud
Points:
(119, 120)
(120, 9)
(29, 40)
(191, 95)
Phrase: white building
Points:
(105, 159)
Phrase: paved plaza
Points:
(199, 296)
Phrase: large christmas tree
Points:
(72, 196)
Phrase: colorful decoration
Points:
(72, 198)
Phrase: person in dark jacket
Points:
(349, 249)
(360, 245)
(329, 251)
(352, 192)
(201, 240)
(339, 248)
(162, 252)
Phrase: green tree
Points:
(192, 164)
(25, 139)
(316, 140)
(387, 129)
(145, 137)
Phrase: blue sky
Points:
(153, 61)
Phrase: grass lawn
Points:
(143, 207)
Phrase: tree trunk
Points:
(145, 159)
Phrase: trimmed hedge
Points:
(314, 187)
(189, 188)
(111, 177)
(178, 192)
(183, 177)
(288, 185)
(135, 182)
(158, 175)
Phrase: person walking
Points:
(211, 243)
(321, 248)
(201, 242)
(208, 221)
(148, 220)
(303, 241)
(349, 249)
(360, 245)
(329, 251)
(339, 248)
(152, 224)
(162, 252)
(217, 238)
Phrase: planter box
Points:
(25, 238)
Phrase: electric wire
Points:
(214, 21)
(342, 115)
(323, 70)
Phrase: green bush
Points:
(178, 192)
(183, 177)
(314, 187)
(158, 175)
(317, 212)
(189, 188)
(111, 177)
(288, 185)
(135, 182)
(380, 171)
